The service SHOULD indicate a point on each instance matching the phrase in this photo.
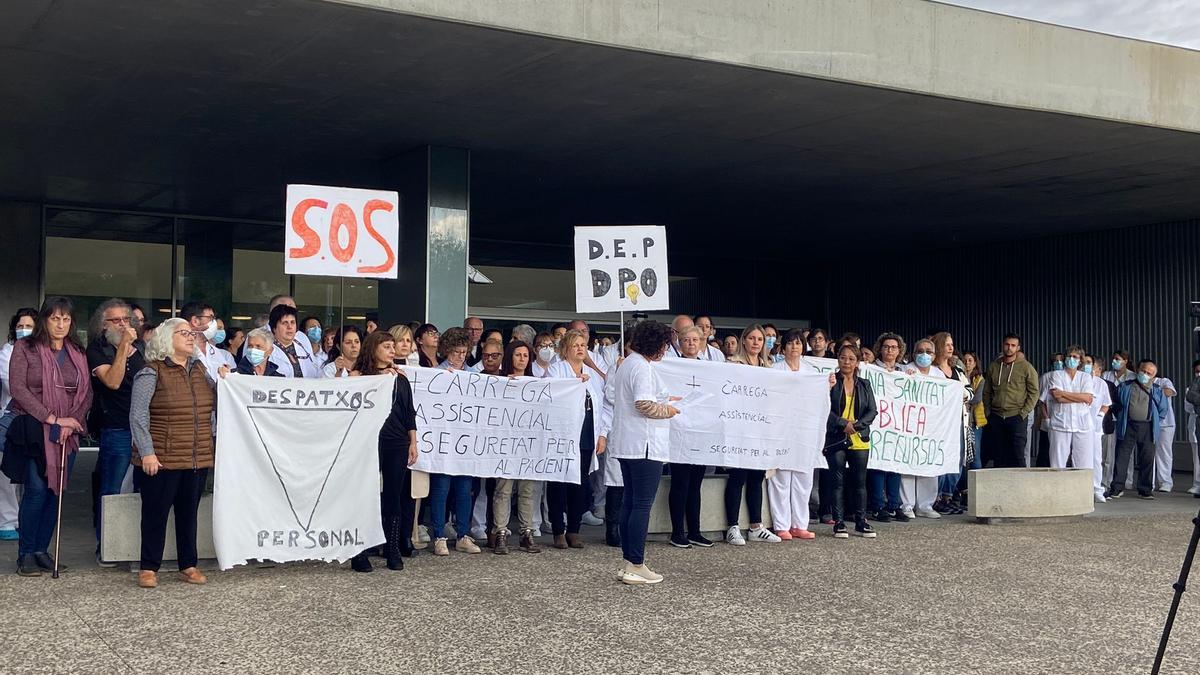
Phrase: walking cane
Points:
(62, 467)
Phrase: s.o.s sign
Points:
(341, 232)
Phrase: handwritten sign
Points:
(471, 424)
(621, 268)
(341, 232)
(297, 467)
(918, 430)
(752, 418)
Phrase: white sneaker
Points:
(1100, 499)
(589, 519)
(479, 532)
(908, 512)
(763, 534)
(1193, 490)
(639, 575)
(1164, 488)
(733, 536)
(927, 513)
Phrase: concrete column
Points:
(434, 187)
(20, 258)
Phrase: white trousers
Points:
(1080, 447)
(9, 504)
(1030, 448)
(1098, 462)
(918, 492)
(1164, 458)
(787, 494)
(1191, 435)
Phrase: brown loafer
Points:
(148, 579)
(193, 576)
(574, 541)
(560, 541)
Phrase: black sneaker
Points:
(28, 567)
(839, 530)
(360, 563)
(1145, 495)
(899, 517)
(46, 561)
(863, 529)
(680, 541)
(1114, 493)
(880, 516)
(700, 540)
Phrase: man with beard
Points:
(113, 359)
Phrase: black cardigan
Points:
(864, 411)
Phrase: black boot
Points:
(612, 514)
(361, 563)
(394, 537)
(27, 566)
(612, 534)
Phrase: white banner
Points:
(752, 418)
(471, 424)
(297, 467)
(341, 232)
(621, 268)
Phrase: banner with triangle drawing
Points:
(297, 467)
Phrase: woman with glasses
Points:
(752, 351)
(427, 339)
(884, 501)
(544, 354)
(917, 493)
(687, 479)
(567, 502)
(170, 418)
(51, 396)
(491, 357)
(442, 487)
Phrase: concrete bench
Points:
(122, 520)
(1000, 494)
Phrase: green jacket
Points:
(1010, 388)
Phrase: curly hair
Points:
(650, 338)
(161, 344)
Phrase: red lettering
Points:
(371, 207)
(921, 413)
(343, 216)
(885, 414)
(312, 241)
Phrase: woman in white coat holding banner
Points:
(565, 499)
(918, 492)
(686, 479)
(788, 491)
(640, 441)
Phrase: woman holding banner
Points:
(918, 492)
(170, 419)
(397, 452)
(640, 441)
(884, 502)
(516, 364)
(256, 357)
(948, 484)
(789, 491)
(571, 499)
(686, 479)
(848, 440)
(347, 344)
(751, 352)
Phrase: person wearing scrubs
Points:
(918, 492)
(1069, 395)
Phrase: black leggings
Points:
(573, 499)
(857, 480)
(396, 502)
(752, 480)
(684, 498)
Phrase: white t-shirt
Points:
(1102, 398)
(1168, 384)
(1069, 417)
(635, 436)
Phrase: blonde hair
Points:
(740, 356)
(161, 344)
(567, 340)
(401, 331)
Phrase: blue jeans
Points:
(440, 488)
(641, 478)
(977, 462)
(39, 510)
(948, 483)
(884, 490)
(116, 445)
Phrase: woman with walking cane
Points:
(51, 395)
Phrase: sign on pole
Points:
(621, 268)
(341, 232)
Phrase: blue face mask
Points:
(255, 356)
(314, 334)
(219, 337)
(1072, 362)
(770, 342)
(1144, 379)
(1058, 365)
(24, 333)
(923, 360)
(1116, 364)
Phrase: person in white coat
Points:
(640, 441)
(1069, 395)
(544, 354)
(711, 350)
(568, 502)
(788, 492)
(19, 328)
(203, 321)
(917, 493)
(1100, 405)
(293, 357)
(347, 344)
(1164, 447)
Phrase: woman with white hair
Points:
(523, 332)
(170, 418)
(917, 493)
(257, 354)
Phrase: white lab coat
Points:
(633, 435)
(308, 364)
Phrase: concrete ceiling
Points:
(212, 106)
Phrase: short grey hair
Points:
(160, 346)
(96, 328)
(525, 333)
(263, 334)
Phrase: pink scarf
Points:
(61, 404)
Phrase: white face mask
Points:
(545, 354)
(211, 331)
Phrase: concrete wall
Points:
(20, 258)
(911, 45)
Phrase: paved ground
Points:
(946, 596)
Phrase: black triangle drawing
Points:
(304, 524)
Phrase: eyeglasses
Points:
(924, 351)
(119, 321)
(494, 355)
(190, 334)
